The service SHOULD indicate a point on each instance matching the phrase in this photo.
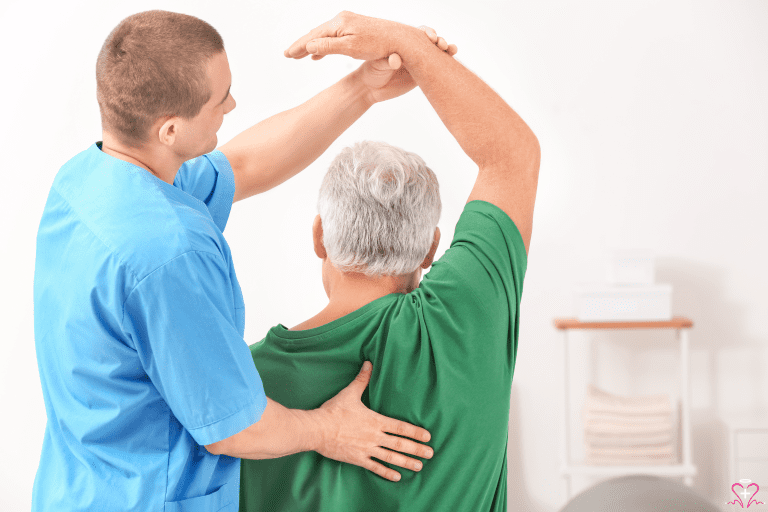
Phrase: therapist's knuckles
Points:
(408, 430)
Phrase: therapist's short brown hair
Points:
(153, 64)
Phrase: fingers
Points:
(320, 46)
(404, 429)
(397, 459)
(394, 458)
(298, 49)
(328, 31)
(430, 33)
(441, 43)
(381, 470)
(406, 446)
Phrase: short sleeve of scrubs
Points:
(181, 319)
(209, 178)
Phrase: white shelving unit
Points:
(686, 468)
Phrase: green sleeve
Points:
(477, 285)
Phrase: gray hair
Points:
(379, 206)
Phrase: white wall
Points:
(652, 122)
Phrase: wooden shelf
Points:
(684, 468)
(677, 322)
(663, 470)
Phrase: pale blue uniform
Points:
(139, 323)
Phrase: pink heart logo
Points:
(746, 494)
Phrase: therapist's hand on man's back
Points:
(342, 429)
(353, 433)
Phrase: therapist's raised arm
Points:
(342, 429)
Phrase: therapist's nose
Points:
(231, 103)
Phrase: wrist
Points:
(316, 430)
(407, 39)
(361, 92)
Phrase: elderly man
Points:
(443, 350)
(149, 388)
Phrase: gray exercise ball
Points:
(639, 493)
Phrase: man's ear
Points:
(169, 128)
(317, 238)
(431, 254)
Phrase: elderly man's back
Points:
(443, 355)
(443, 349)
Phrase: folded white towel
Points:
(601, 401)
(657, 450)
(647, 461)
(620, 428)
(641, 418)
(659, 454)
(642, 400)
(594, 440)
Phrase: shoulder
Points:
(479, 278)
(144, 221)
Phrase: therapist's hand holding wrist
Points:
(370, 39)
(342, 429)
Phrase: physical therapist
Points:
(150, 391)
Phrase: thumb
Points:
(357, 386)
(321, 46)
(395, 61)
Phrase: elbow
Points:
(524, 148)
(535, 147)
(215, 448)
(535, 153)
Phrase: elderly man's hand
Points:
(354, 35)
(362, 37)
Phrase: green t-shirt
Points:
(443, 358)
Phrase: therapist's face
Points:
(198, 136)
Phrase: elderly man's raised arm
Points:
(488, 130)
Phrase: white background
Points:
(653, 123)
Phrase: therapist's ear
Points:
(169, 128)
(431, 254)
(317, 238)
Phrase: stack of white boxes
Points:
(629, 293)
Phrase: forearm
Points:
(283, 145)
(279, 432)
(486, 128)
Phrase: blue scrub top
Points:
(139, 324)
